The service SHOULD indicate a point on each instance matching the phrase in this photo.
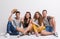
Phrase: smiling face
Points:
(37, 15)
(44, 13)
(28, 15)
(17, 14)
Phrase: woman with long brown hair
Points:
(38, 23)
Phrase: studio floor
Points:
(29, 37)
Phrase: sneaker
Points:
(18, 36)
(21, 34)
(32, 33)
(55, 34)
(7, 35)
(29, 34)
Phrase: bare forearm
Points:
(12, 12)
(10, 17)
(54, 24)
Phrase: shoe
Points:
(29, 34)
(55, 34)
(20, 35)
(7, 35)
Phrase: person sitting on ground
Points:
(38, 23)
(49, 23)
(14, 24)
(26, 21)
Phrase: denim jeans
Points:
(49, 28)
(10, 29)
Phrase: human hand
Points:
(13, 11)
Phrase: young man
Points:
(14, 24)
(49, 23)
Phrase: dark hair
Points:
(25, 19)
(44, 10)
(40, 19)
(17, 12)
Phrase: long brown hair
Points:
(40, 19)
(25, 19)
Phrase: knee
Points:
(9, 23)
(43, 32)
(30, 26)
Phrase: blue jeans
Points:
(10, 29)
(49, 28)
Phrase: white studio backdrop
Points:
(52, 6)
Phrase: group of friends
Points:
(40, 24)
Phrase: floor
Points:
(29, 37)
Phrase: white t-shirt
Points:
(16, 23)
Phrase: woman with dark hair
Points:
(27, 22)
(38, 23)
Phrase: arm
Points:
(22, 20)
(10, 17)
(53, 23)
(12, 12)
(35, 23)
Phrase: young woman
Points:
(38, 23)
(27, 22)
